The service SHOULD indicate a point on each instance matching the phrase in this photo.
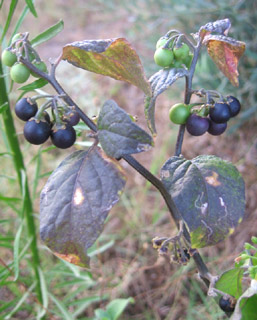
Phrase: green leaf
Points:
(93, 251)
(102, 315)
(44, 292)
(3, 107)
(47, 34)
(209, 194)
(116, 307)
(12, 8)
(110, 57)
(31, 7)
(160, 82)
(118, 134)
(19, 23)
(246, 305)
(230, 282)
(39, 83)
(76, 201)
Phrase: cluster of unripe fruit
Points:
(170, 54)
(39, 127)
(19, 72)
(209, 118)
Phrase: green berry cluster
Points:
(10, 57)
(168, 54)
(39, 126)
(208, 118)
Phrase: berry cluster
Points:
(212, 119)
(170, 54)
(39, 127)
(19, 72)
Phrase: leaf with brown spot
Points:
(209, 194)
(225, 52)
(219, 26)
(76, 201)
(110, 57)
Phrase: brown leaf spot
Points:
(71, 258)
(213, 179)
(78, 197)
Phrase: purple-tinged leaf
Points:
(76, 201)
(118, 134)
(209, 194)
(220, 26)
(110, 57)
(160, 82)
(225, 52)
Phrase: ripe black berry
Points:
(227, 304)
(63, 137)
(36, 132)
(197, 125)
(217, 128)
(234, 105)
(25, 110)
(220, 113)
(72, 118)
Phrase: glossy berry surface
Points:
(64, 137)
(226, 305)
(179, 113)
(36, 132)
(8, 58)
(217, 129)
(234, 105)
(25, 110)
(197, 125)
(72, 118)
(220, 113)
(19, 73)
(163, 57)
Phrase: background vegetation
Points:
(123, 261)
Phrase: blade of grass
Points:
(20, 302)
(22, 179)
(47, 34)
(7, 305)
(31, 7)
(16, 248)
(44, 294)
(66, 314)
(19, 22)
(12, 8)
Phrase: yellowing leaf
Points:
(110, 57)
(225, 52)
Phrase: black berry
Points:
(234, 105)
(220, 113)
(227, 304)
(36, 132)
(72, 118)
(25, 110)
(197, 125)
(63, 137)
(217, 128)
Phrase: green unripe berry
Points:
(161, 42)
(8, 58)
(182, 52)
(163, 57)
(248, 246)
(188, 60)
(41, 66)
(19, 73)
(179, 113)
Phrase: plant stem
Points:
(187, 96)
(20, 170)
